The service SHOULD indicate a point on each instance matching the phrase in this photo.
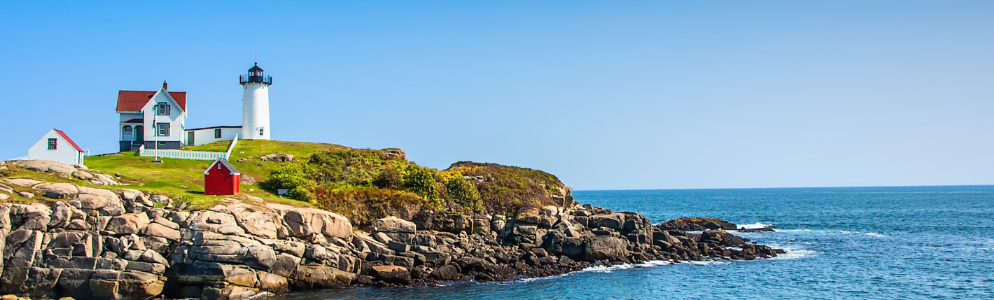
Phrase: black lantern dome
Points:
(255, 75)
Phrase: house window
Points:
(217, 133)
(162, 109)
(163, 129)
(53, 144)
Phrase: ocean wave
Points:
(794, 253)
(706, 262)
(756, 225)
(607, 269)
(655, 263)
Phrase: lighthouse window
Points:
(261, 131)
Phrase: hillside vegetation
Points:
(365, 185)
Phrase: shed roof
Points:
(226, 164)
(134, 101)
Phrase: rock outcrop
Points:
(100, 244)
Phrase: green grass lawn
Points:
(184, 179)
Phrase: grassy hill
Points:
(362, 184)
(184, 179)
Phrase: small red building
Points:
(221, 179)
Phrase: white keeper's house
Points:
(157, 119)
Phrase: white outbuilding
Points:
(58, 147)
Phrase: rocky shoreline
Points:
(90, 243)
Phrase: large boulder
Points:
(320, 276)
(277, 157)
(36, 216)
(58, 190)
(696, 224)
(22, 182)
(213, 222)
(392, 274)
(256, 220)
(614, 221)
(128, 223)
(394, 224)
(47, 166)
(605, 247)
(303, 222)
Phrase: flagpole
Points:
(155, 127)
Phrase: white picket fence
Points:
(190, 155)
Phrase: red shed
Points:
(221, 178)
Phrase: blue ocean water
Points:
(843, 243)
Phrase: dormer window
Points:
(162, 109)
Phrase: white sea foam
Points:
(756, 225)
(794, 253)
(706, 262)
(607, 269)
(874, 234)
(655, 263)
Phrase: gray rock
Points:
(302, 222)
(58, 190)
(23, 182)
(399, 247)
(163, 231)
(128, 223)
(285, 264)
(57, 168)
(320, 276)
(82, 175)
(394, 224)
(277, 157)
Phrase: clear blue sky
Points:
(605, 94)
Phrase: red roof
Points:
(139, 121)
(136, 100)
(66, 137)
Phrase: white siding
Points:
(255, 112)
(176, 119)
(206, 136)
(64, 152)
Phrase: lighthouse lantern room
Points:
(255, 104)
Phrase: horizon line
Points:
(793, 187)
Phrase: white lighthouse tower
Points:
(255, 105)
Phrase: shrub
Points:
(464, 193)
(389, 177)
(355, 167)
(421, 181)
(289, 176)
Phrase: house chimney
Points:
(165, 86)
